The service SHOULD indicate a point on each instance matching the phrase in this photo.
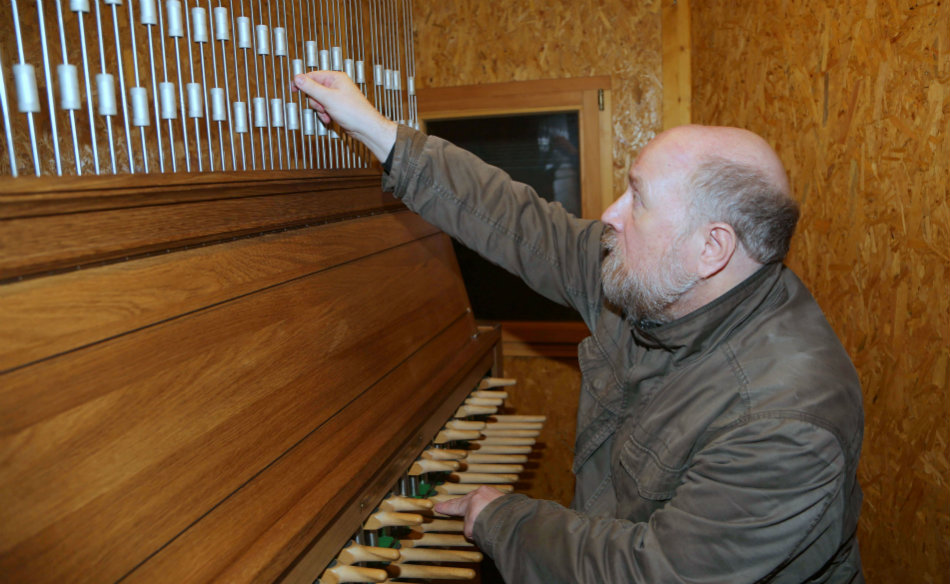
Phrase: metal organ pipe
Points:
(201, 108)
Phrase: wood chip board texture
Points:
(464, 42)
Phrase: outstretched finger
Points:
(455, 507)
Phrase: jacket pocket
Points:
(644, 475)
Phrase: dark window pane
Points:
(541, 150)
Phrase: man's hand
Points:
(335, 98)
(469, 506)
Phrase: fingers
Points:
(469, 506)
(335, 98)
(314, 85)
(454, 507)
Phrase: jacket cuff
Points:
(401, 162)
(496, 521)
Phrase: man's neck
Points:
(709, 289)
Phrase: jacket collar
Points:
(705, 327)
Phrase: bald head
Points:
(734, 177)
(692, 145)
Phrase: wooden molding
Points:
(677, 83)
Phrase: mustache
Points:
(608, 240)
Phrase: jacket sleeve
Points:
(555, 253)
(755, 504)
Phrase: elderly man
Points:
(720, 420)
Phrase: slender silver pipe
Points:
(69, 88)
(237, 88)
(148, 17)
(122, 91)
(261, 50)
(50, 100)
(222, 35)
(169, 96)
(199, 35)
(33, 106)
(176, 30)
(137, 116)
(79, 10)
(245, 41)
(5, 111)
(195, 111)
(102, 97)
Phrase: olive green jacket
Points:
(721, 447)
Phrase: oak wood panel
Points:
(112, 450)
(42, 317)
(320, 486)
(30, 245)
(34, 196)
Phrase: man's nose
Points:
(612, 215)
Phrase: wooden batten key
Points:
(518, 418)
(481, 477)
(401, 504)
(429, 572)
(438, 555)
(435, 540)
(481, 457)
(466, 410)
(515, 425)
(441, 526)
(492, 468)
(481, 448)
(490, 382)
(490, 394)
(356, 553)
(382, 519)
(343, 573)
(424, 465)
(490, 432)
(464, 488)
(449, 435)
(465, 425)
(484, 401)
(445, 454)
(504, 441)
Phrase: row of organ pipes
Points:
(146, 86)
(403, 539)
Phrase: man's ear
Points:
(719, 244)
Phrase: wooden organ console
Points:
(222, 347)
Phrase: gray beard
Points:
(643, 296)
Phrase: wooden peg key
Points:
(490, 382)
(424, 465)
(382, 519)
(450, 435)
(429, 572)
(481, 477)
(460, 489)
(343, 573)
(441, 526)
(438, 555)
(482, 457)
(356, 553)
(402, 504)
(435, 540)
(466, 410)
(445, 454)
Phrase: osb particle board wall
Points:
(856, 98)
(463, 42)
